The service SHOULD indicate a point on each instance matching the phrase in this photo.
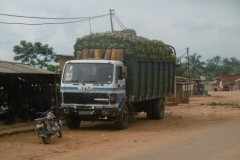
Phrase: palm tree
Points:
(214, 66)
(231, 66)
(196, 67)
(235, 65)
(226, 61)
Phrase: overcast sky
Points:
(207, 27)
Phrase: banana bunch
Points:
(133, 45)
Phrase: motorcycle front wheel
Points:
(58, 133)
(46, 139)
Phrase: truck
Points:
(136, 78)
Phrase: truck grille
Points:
(86, 98)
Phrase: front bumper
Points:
(91, 112)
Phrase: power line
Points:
(47, 17)
(181, 50)
(119, 22)
(112, 14)
(43, 23)
(56, 23)
(182, 55)
(46, 36)
(85, 18)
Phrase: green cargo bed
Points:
(149, 79)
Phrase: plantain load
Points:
(126, 40)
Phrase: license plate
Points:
(85, 112)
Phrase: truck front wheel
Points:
(123, 118)
(72, 122)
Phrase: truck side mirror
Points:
(120, 73)
(124, 72)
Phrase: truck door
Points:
(119, 80)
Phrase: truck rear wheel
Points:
(72, 122)
(123, 118)
(149, 109)
(158, 109)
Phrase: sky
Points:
(208, 27)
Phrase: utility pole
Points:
(90, 25)
(188, 76)
(188, 65)
(111, 18)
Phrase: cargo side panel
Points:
(172, 77)
(166, 78)
(143, 76)
(156, 82)
(161, 78)
(137, 79)
(149, 79)
(131, 74)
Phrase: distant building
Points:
(228, 80)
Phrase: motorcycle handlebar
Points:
(43, 113)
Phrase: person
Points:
(221, 88)
(26, 110)
(7, 113)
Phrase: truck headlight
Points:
(106, 112)
(112, 98)
(66, 110)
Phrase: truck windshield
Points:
(101, 73)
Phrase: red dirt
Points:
(203, 110)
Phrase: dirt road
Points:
(207, 128)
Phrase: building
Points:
(19, 81)
(227, 80)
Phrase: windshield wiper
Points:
(95, 82)
(82, 83)
(78, 81)
(72, 80)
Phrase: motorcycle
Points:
(47, 126)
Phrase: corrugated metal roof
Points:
(237, 80)
(19, 68)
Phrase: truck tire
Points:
(131, 113)
(72, 122)
(158, 109)
(123, 118)
(149, 109)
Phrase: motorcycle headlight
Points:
(38, 121)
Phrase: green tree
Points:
(37, 55)
(225, 70)
(181, 69)
(226, 61)
(53, 68)
(215, 60)
(213, 67)
(222, 66)
(196, 66)
(233, 64)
